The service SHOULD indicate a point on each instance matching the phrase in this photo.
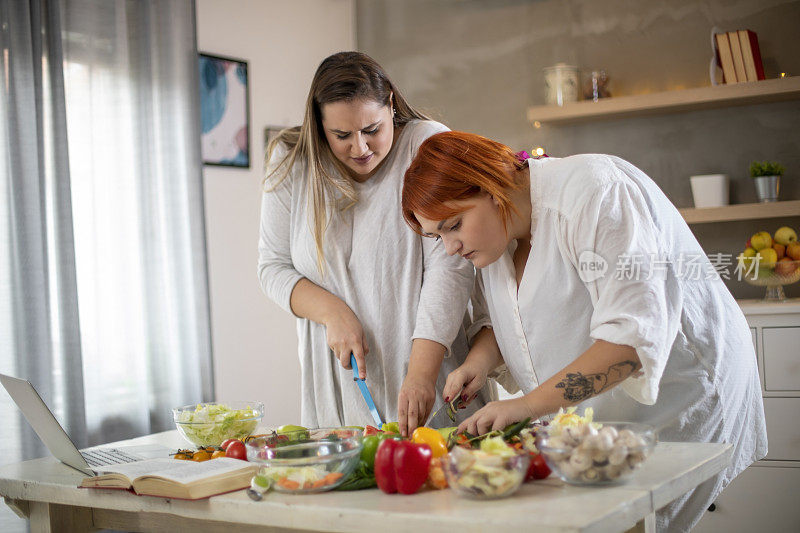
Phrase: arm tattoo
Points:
(578, 387)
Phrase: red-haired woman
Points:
(599, 295)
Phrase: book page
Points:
(178, 470)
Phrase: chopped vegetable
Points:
(211, 424)
(485, 474)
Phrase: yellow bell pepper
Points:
(432, 438)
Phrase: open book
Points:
(173, 478)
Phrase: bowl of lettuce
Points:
(496, 470)
(209, 424)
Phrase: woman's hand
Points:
(497, 415)
(345, 336)
(414, 403)
(470, 377)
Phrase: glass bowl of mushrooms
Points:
(596, 453)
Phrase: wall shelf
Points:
(731, 213)
(774, 90)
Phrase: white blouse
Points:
(400, 286)
(612, 259)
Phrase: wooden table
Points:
(45, 491)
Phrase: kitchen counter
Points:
(760, 307)
(46, 491)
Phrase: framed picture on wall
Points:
(224, 111)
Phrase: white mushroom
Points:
(635, 459)
(567, 470)
(591, 475)
(612, 471)
(556, 442)
(618, 455)
(610, 431)
(591, 442)
(628, 438)
(605, 441)
(580, 460)
(599, 457)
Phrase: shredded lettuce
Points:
(210, 424)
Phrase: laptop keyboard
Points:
(108, 456)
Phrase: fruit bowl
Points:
(598, 453)
(773, 276)
(209, 424)
(315, 460)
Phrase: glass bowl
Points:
(476, 474)
(315, 460)
(773, 276)
(209, 424)
(598, 453)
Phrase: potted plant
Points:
(767, 177)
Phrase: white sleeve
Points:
(276, 272)
(446, 285)
(637, 301)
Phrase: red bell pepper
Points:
(401, 466)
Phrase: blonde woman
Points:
(334, 251)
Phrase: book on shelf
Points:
(751, 54)
(736, 53)
(172, 478)
(725, 57)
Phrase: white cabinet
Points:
(781, 358)
(762, 498)
(765, 496)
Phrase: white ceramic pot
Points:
(710, 190)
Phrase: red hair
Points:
(455, 165)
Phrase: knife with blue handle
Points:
(365, 393)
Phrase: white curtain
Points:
(103, 281)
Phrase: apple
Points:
(781, 249)
(746, 257)
(761, 240)
(768, 258)
(793, 251)
(785, 235)
(785, 267)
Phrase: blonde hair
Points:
(342, 77)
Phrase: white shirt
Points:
(699, 377)
(399, 285)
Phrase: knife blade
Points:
(451, 408)
(365, 393)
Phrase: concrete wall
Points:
(255, 347)
(477, 65)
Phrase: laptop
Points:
(92, 461)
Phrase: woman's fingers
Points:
(358, 352)
(456, 381)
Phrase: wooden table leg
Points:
(51, 517)
(645, 525)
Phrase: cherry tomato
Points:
(538, 468)
(201, 455)
(227, 443)
(218, 453)
(236, 450)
